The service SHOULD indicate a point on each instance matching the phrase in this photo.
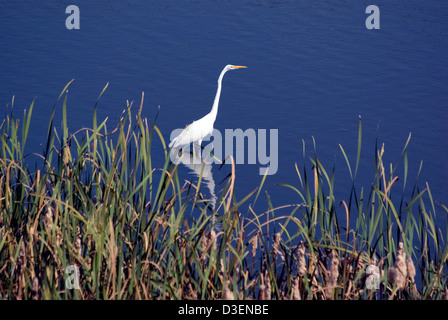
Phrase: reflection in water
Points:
(199, 166)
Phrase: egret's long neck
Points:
(214, 111)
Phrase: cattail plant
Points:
(301, 263)
(228, 294)
(98, 200)
(397, 274)
(276, 244)
(295, 291)
(254, 245)
(333, 274)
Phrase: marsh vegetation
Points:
(134, 230)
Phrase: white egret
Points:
(199, 129)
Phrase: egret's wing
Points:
(195, 131)
(183, 138)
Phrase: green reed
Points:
(98, 202)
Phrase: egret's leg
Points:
(194, 149)
(199, 149)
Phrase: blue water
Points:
(313, 68)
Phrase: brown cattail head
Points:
(276, 244)
(295, 292)
(301, 263)
(333, 274)
(410, 268)
(254, 245)
(261, 293)
(397, 274)
(267, 292)
(78, 242)
(21, 260)
(208, 241)
(373, 275)
(48, 217)
(265, 287)
(334, 268)
(228, 294)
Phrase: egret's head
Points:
(232, 67)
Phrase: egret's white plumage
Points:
(199, 129)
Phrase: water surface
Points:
(313, 68)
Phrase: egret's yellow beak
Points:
(238, 67)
